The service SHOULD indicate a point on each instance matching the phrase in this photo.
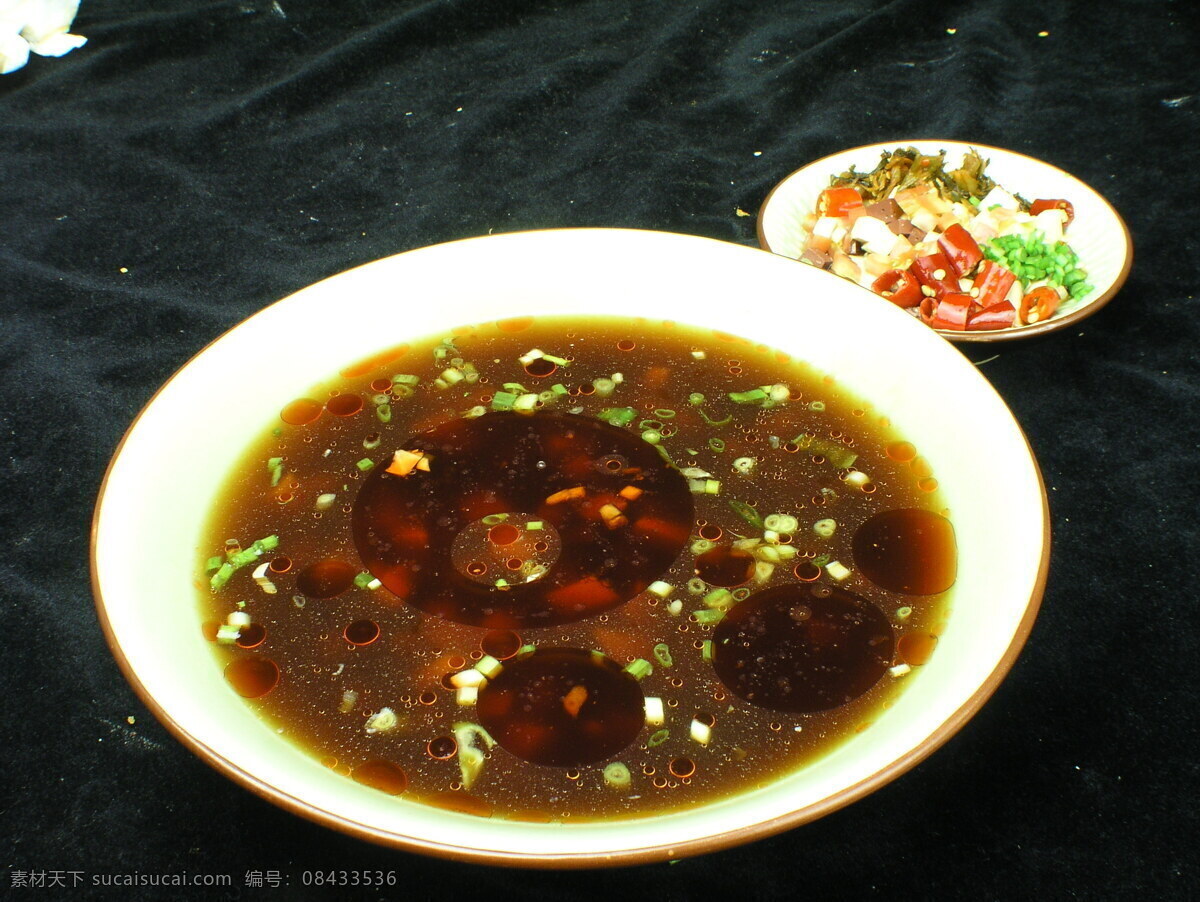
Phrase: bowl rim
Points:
(566, 860)
(1011, 334)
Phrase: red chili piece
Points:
(898, 286)
(994, 316)
(1056, 204)
(992, 282)
(838, 202)
(1041, 303)
(934, 272)
(960, 249)
(951, 312)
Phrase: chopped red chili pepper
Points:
(960, 249)
(951, 312)
(992, 283)
(1039, 305)
(898, 286)
(934, 272)
(1065, 205)
(838, 202)
(995, 316)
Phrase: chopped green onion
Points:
(825, 528)
(752, 396)
(664, 413)
(706, 651)
(718, 599)
(745, 465)
(493, 519)
(384, 412)
(362, 580)
(708, 615)
(781, 523)
(489, 667)
(371, 442)
(835, 453)
(470, 756)
(227, 633)
(604, 387)
(652, 436)
(616, 775)
(660, 588)
(837, 570)
(365, 465)
(711, 422)
(535, 525)
(275, 468)
(213, 563)
(818, 406)
(702, 545)
(662, 654)
(716, 444)
(503, 400)
(221, 577)
(405, 379)
(618, 416)
(697, 586)
(903, 613)
(741, 593)
(695, 399)
(639, 669)
(747, 513)
(658, 738)
(526, 403)
(559, 389)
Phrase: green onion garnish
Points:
(618, 416)
(213, 563)
(716, 444)
(275, 468)
(747, 513)
(752, 396)
(708, 615)
(639, 669)
(503, 400)
(221, 577)
(662, 654)
(616, 775)
(384, 412)
(658, 738)
(365, 465)
(664, 413)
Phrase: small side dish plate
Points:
(1098, 235)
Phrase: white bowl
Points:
(1098, 235)
(148, 520)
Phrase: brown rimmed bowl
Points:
(148, 521)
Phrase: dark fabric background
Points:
(228, 153)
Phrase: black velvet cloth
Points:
(197, 161)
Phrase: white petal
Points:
(14, 52)
(47, 17)
(58, 44)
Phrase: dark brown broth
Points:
(344, 652)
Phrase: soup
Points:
(575, 568)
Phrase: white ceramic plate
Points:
(1098, 235)
(148, 523)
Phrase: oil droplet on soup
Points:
(909, 550)
(787, 649)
